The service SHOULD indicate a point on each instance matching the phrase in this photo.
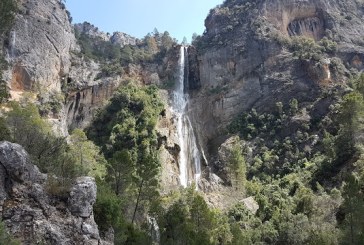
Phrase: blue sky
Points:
(139, 17)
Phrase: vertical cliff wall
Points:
(38, 48)
(249, 57)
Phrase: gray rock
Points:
(123, 39)
(250, 204)
(92, 31)
(40, 44)
(82, 197)
(15, 161)
(33, 215)
(243, 61)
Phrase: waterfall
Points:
(13, 42)
(189, 156)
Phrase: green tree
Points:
(28, 129)
(293, 106)
(109, 213)
(127, 127)
(237, 166)
(167, 41)
(188, 220)
(86, 154)
(7, 11)
(354, 209)
(184, 41)
(152, 45)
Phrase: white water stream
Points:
(13, 42)
(189, 156)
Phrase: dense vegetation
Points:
(125, 130)
(299, 173)
(23, 124)
(8, 9)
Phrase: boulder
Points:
(33, 215)
(250, 204)
(82, 197)
(15, 161)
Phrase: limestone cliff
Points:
(247, 59)
(39, 46)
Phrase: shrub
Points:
(7, 10)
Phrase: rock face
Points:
(33, 215)
(92, 31)
(251, 204)
(82, 104)
(245, 59)
(123, 39)
(119, 38)
(82, 197)
(39, 46)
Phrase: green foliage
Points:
(353, 207)
(128, 121)
(110, 69)
(306, 48)
(218, 89)
(125, 130)
(188, 220)
(115, 59)
(86, 155)
(108, 212)
(237, 167)
(5, 238)
(27, 128)
(328, 45)
(52, 104)
(4, 94)
(8, 9)
(23, 124)
(289, 158)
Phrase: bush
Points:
(8, 9)
(306, 48)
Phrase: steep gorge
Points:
(250, 58)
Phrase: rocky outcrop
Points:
(250, 204)
(118, 38)
(39, 46)
(33, 215)
(90, 30)
(82, 197)
(123, 39)
(169, 148)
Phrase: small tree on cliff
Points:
(237, 166)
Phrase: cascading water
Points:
(189, 156)
(13, 42)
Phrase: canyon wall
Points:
(245, 59)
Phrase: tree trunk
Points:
(137, 202)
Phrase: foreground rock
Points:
(35, 216)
